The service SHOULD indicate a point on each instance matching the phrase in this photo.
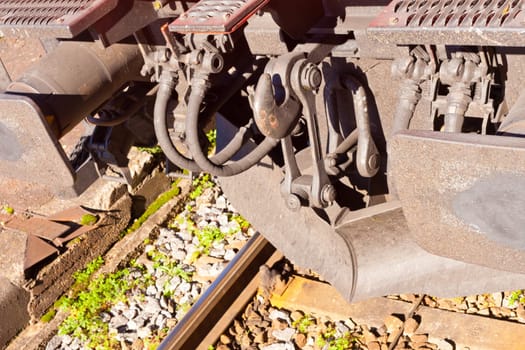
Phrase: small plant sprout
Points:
(201, 183)
(302, 324)
(330, 340)
(212, 140)
(517, 296)
(88, 220)
(8, 210)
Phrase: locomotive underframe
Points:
(372, 119)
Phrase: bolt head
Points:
(328, 194)
(293, 202)
(311, 77)
(373, 161)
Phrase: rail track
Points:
(228, 296)
(223, 300)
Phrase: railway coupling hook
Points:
(286, 89)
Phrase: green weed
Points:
(200, 183)
(302, 324)
(155, 150)
(88, 220)
(207, 236)
(84, 321)
(517, 296)
(168, 266)
(331, 341)
(154, 207)
(82, 277)
(8, 210)
(212, 140)
(48, 316)
(243, 224)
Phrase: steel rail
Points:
(224, 299)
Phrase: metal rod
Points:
(201, 318)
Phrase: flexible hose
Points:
(192, 127)
(166, 86)
(409, 96)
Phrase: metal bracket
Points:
(103, 151)
(290, 83)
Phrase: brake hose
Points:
(198, 91)
(166, 85)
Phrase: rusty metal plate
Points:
(5, 218)
(39, 227)
(36, 251)
(472, 22)
(71, 217)
(77, 232)
(216, 16)
(463, 195)
(60, 18)
(73, 214)
(28, 150)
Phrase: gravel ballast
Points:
(178, 263)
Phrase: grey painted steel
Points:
(51, 98)
(77, 78)
(301, 235)
(389, 261)
(28, 149)
(463, 195)
(371, 253)
(514, 122)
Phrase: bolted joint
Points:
(169, 78)
(460, 70)
(293, 202)
(311, 77)
(212, 62)
(328, 194)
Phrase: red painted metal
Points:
(61, 18)
(216, 16)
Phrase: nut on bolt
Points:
(293, 202)
(328, 194)
(311, 77)
(373, 161)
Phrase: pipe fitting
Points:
(311, 77)
(212, 62)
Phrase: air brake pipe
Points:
(409, 96)
(166, 85)
(458, 100)
(198, 91)
(413, 69)
(164, 92)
